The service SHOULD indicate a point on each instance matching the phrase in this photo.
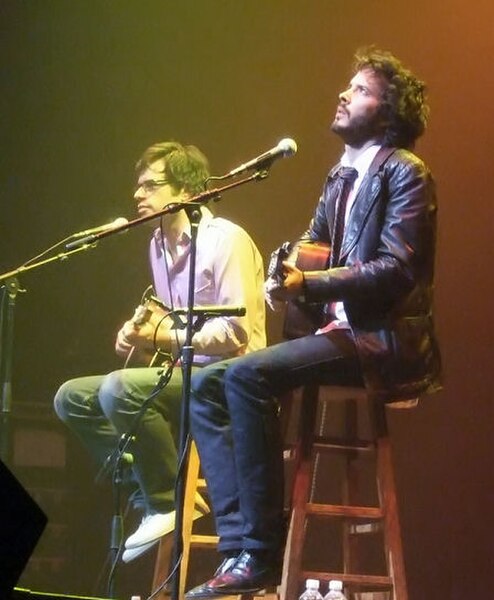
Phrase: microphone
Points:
(119, 222)
(286, 147)
(213, 311)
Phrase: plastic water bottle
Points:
(335, 591)
(311, 590)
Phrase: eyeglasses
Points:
(149, 186)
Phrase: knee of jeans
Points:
(242, 370)
(61, 401)
(112, 396)
(203, 383)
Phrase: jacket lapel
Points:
(331, 206)
(365, 200)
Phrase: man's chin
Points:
(343, 132)
(352, 136)
(335, 126)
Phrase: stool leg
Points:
(392, 530)
(162, 565)
(292, 564)
(165, 550)
(189, 507)
(350, 488)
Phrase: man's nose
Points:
(344, 97)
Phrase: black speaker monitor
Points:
(21, 524)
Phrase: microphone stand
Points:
(187, 359)
(7, 309)
(184, 440)
(116, 534)
(10, 285)
(119, 459)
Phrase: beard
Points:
(359, 130)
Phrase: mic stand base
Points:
(117, 531)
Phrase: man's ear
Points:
(182, 195)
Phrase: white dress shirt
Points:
(229, 271)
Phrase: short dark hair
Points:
(186, 167)
(404, 101)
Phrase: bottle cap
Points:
(336, 585)
(312, 584)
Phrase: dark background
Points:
(86, 86)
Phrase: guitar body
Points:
(301, 318)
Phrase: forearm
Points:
(220, 336)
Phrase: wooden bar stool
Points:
(354, 435)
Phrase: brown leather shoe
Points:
(250, 572)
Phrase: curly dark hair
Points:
(186, 167)
(404, 102)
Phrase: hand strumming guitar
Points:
(279, 290)
(285, 281)
(122, 346)
(148, 328)
(293, 283)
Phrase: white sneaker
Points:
(132, 553)
(156, 526)
(151, 529)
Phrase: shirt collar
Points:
(184, 237)
(363, 161)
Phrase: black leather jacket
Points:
(386, 275)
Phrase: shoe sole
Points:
(224, 594)
(155, 537)
(131, 554)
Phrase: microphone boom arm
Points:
(198, 201)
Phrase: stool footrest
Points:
(201, 485)
(325, 444)
(339, 510)
(203, 540)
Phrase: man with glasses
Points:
(229, 271)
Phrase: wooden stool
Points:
(162, 565)
(363, 435)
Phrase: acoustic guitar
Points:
(301, 318)
(149, 306)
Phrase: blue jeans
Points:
(234, 421)
(100, 408)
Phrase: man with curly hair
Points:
(377, 211)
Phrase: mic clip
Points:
(203, 313)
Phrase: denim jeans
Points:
(100, 408)
(234, 421)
